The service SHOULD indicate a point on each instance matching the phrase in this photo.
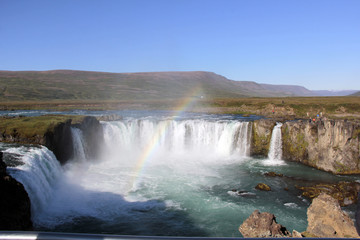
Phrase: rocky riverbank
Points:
(15, 213)
(328, 145)
(325, 220)
(54, 132)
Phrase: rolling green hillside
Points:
(83, 85)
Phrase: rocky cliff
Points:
(15, 213)
(330, 145)
(60, 141)
(54, 132)
(261, 136)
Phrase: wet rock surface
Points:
(273, 174)
(346, 193)
(263, 187)
(261, 136)
(15, 213)
(111, 117)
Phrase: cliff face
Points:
(261, 136)
(327, 145)
(60, 139)
(60, 142)
(15, 213)
(93, 136)
(55, 133)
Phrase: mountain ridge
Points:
(63, 84)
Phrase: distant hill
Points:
(356, 94)
(87, 85)
(78, 85)
(334, 93)
(292, 90)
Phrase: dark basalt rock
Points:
(60, 142)
(243, 193)
(273, 174)
(15, 208)
(93, 136)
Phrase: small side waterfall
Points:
(275, 151)
(78, 141)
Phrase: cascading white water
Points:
(219, 137)
(38, 174)
(78, 142)
(275, 151)
(160, 177)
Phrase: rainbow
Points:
(152, 146)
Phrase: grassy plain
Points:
(289, 107)
(31, 127)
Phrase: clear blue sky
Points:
(313, 43)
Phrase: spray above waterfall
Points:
(177, 139)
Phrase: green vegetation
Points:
(260, 143)
(296, 147)
(33, 127)
(206, 91)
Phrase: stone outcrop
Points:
(261, 136)
(15, 213)
(111, 117)
(54, 132)
(93, 136)
(330, 145)
(60, 142)
(327, 220)
(346, 193)
(263, 187)
(262, 225)
(273, 174)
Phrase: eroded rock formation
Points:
(327, 145)
(327, 220)
(262, 225)
(93, 136)
(263, 187)
(60, 142)
(15, 213)
(261, 136)
(346, 193)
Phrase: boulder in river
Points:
(327, 220)
(263, 187)
(345, 192)
(262, 225)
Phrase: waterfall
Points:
(39, 174)
(149, 167)
(275, 151)
(78, 142)
(218, 137)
